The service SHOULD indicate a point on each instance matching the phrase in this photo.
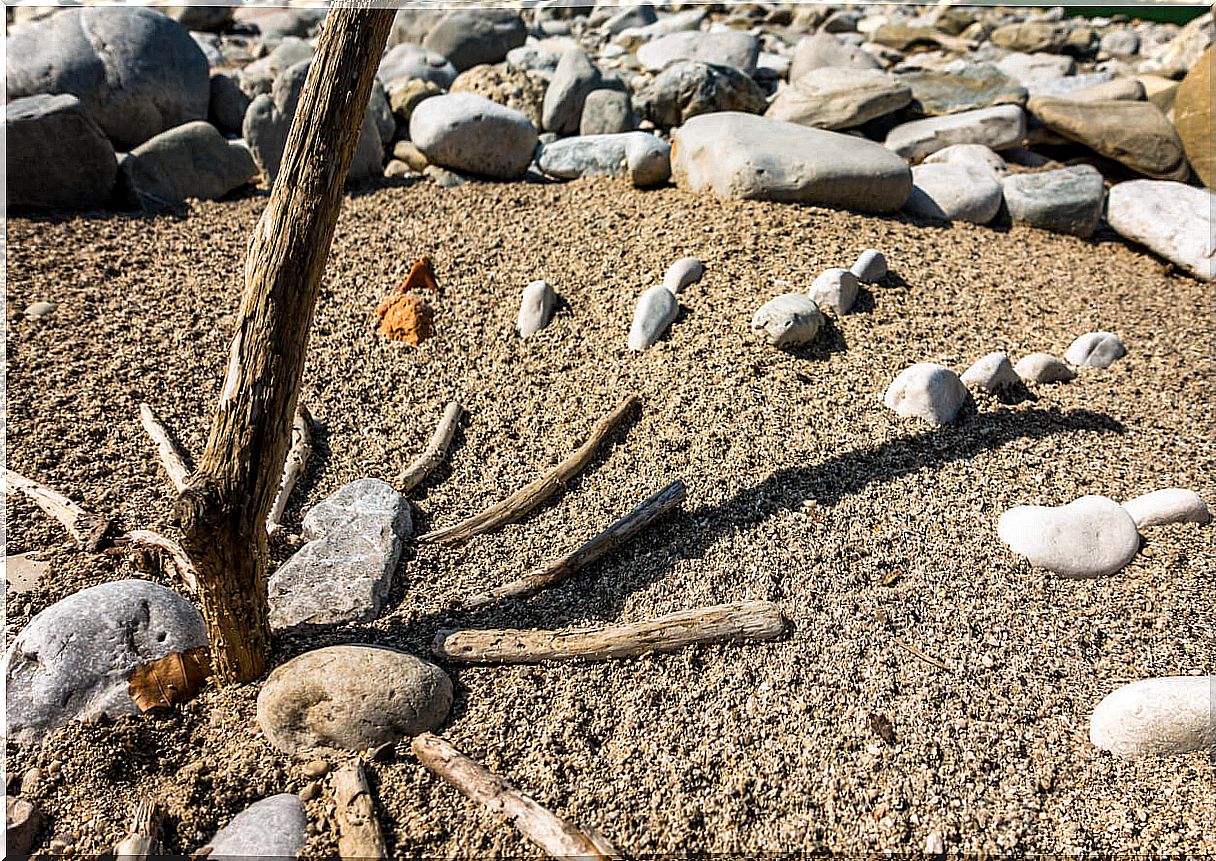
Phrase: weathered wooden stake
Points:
(223, 510)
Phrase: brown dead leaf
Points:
(422, 276)
(170, 680)
(881, 726)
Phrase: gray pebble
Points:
(1171, 505)
(682, 273)
(536, 308)
(788, 320)
(1095, 350)
(928, 391)
(994, 373)
(38, 310)
(1090, 537)
(835, 289)
(1043, 368)
(871, 266)
(273, 827)
(656, 309)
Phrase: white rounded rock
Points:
(928, 391)
(871, 266)
(788, 320)
(656, 310)
(993, 373)
(955, 192)
(970, 155)
(685, 271)
(470, 133)
(536, 308)
(1172, 505)
(1089, 537)
(1095, 350)
(1043, 368)
(1157, 717)
(835, 289)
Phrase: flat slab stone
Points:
(642, 158)
(1068, 200)
(1090, 537)
(730, 48)
(831, 98)
(1157, 717)
(961, 87)
(275, 827)
(1171, 219)
(997, 128)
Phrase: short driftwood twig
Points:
(359, 833)
(746, 621)
(87, 530)
(529, 498)
(170, 551)
(436, 450)
(142, 840)
(293, 467)
(564, 567)
(928, 659)
(554, 835)
(170, 454)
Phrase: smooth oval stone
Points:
(1095, 350)
(730, 48)
(644, 159)
(835, 289)
(656, 310)
(1157, 717)
(1090, 537)
(71, 662)
(38, 310)
(463, 131)
(1068, 200)
(928, 391)
(788, 320)
(275, 827)
(970, 155)
(993, 372)
(1043, 368)
(871, 266)
(954, 192)
(574, 78)
(1171, 505)
(536, 308)
(685, 271)
(351, 697)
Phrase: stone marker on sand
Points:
(1044, 368)
(656, 309)
(1157, 717)
(1090, 537)
(682, 273)
(836, 289)
(536, 308)
(1171, 505)
(870, 267)
(928, 391)
(993, 373)
(1095, 350)
(788, 320)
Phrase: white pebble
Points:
(928, 391)
(1043, 368)
(536, 308)
(656, 310)
(1157, 717)
(1172, 505)
(835, 289)
(38, 310)
(993, 372)
(1095, 350)
(871, 266)
(788, 320)
(685, 271)
(1090, 537)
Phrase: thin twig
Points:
(143, 539)
(531, 497)
(414, 474)
(87, 530)
(554, 835)
(293, 467)
(564, 567)
(170, 454)
(918, 653)
(746, 621)
(359, 834)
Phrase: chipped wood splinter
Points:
(142, 840)
(436, 450)
(293, 468)
(558, 570)
(170, 454)
(143, 539)
(358, 829)
(87, 530)
(529, 498)
(554, 835)
(745, 621)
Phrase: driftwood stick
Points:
(297, 460)
(529, 498)
(554, 835)
(436, 450)
(142, 840)
(143, 539)
(87, 530)
(746, 621)
(358, 830)
(564, 567)
(167, 450)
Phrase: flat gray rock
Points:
(56, 155)
(961, 86)
(1067, 86)
(1171, 505)
(1157, 717)
(408, 60)
(607, 112)
(970, 155)
(729, 48)
(1044, 368)
(997, 128)
(690, 88)
(190, 161)
(1029, 68)
(535, 308)
(870, 266)
(992, 373)
(533, 58)
(642, 158)
(575, 78)
(1090, 537)
(1068, 200)
(351, 698)
(836, 289)
(656, 310)
(71, 662)
(275, 827)
(346, 569)
(833, 98)
(928, 391)
(744, 156)
(471, 37)
(1095, 350)
(823, 50)
(472, 134)
(1171, 219)
(954, 192)
(788, 320)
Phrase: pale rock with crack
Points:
(1157, 717)
(656, 310)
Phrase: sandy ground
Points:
(803, 489)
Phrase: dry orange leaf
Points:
(422, 275)
(170, 680)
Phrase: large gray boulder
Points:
(690, 88)
(575, 78)
(57, 156)
(834, 98)
(136, 71)
(470, 133)
(1169, 218)
(190, 161)
(642, 158)
(470, 37)
(744, 156)
(1068, 200)
(728, 48)
(408, 60)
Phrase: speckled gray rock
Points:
(470, 133)
(954, 192)
(728, 48)
(1043, 368)
(685, 271)
(642, 158)
(345, 570)
(997, 128)
(655, 311)
(756, 158)
(1157, 717)
(57, 157)
(408, 60)
(470, 37)
(533, 58)
(870, 266)
(1095, 350)
(788, 320)
(136, 71)
(1171, 219)
(1121, 43)
(1068, 200)
(691, 88)
(71, 662)
(825, 50)
(832, 98)
(835, 289)
(928, 391)
(993, 373)
(576, 76)
(274, 827)
(961, 86)
(1068, 86)
(607, 112)
(535, 308)
(1171, 505)
(1090, 537)
(351, 697)
(190, 161)
(1028, 68)
(970, 155)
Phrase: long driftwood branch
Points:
(143, 539)
(414, 474)
(529, 498)
(297, 460)
(87, 530)
(564, 567)
(171, 456)
(746, 621)
(554, 835)
(359, 834)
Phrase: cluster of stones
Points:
(942, 112)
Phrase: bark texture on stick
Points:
(297, 461)
(552, 834)
(143, 539)
(142, 840)
(359, 835)
(746, 621)
(564, 567)
(167, 450)
(223, 510)
(528, 499)
(436, 450)
(88, 531)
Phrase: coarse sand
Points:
(803, 489)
